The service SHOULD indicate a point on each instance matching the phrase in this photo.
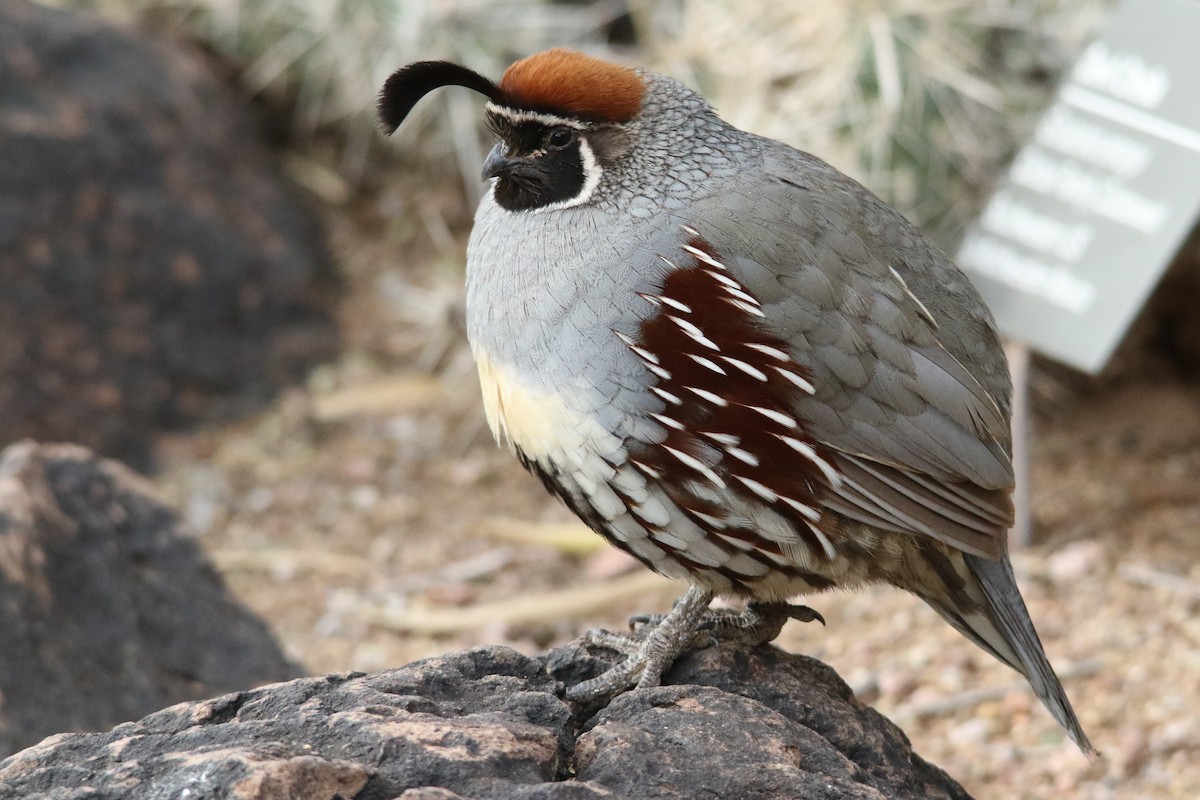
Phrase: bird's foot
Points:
(760, 623)
(649, 657)
(756, 624)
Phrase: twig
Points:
(556, 605)
(393, 395)
(974, 697)
(276, 560)
(486, 563)
(573, 538)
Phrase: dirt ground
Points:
(370, 518)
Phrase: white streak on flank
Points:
(743, 456)
(758, 488)
(740, 544)
(704, 362)
(694, 332)
(804, 385)
(665, 395)
(920, 306)
(644, 354)
(749, 309)
(826, 545)
(651, 360)
(753, 372)
(708, 519)
(728, 282)
(697, 465)
(809, 452)
(727, 439)
(649, 298)
(808, 512)
(659, 371)
(670, 423)
(646, 468)
(738, 293)
(779, 558)
(703, 256)
(668, 262)
(715, 399)
(690, 231)
(777, 416)
(766, 349)
(675, 304)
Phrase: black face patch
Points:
(545, 163)
(542, 181)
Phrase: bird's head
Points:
(560, 118)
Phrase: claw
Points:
(645, 619)
(805, 614)
(789, 611)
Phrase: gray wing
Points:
(912, 390)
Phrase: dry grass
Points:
(921, 100)
(326, 59)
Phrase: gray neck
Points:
(569, 275)
(680, 148)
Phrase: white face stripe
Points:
(592, 172)
(591, 179)
(520, 115)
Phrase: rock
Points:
(153, 258)
(108, 610)
(773, 724)
(488, 723)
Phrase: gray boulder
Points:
(108, 610)
(489, 723)
(156, 265)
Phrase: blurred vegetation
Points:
(922, 100)
(325, 60)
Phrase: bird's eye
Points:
(559, 138)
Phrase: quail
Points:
(733, 362)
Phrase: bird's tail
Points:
(1000, 624)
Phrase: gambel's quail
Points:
(733, 362)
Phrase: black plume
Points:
(409, 84)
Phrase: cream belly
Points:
(585, 460)
(550, 432)
(542, 424)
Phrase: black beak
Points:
(498, 164)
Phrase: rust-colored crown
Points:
(568, 82)
(558, 81)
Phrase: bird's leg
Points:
(649, 659)
(757, 624)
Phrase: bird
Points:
(733, 362)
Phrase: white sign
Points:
(1094, 208)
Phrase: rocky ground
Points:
(488, 723)
(369, 517)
